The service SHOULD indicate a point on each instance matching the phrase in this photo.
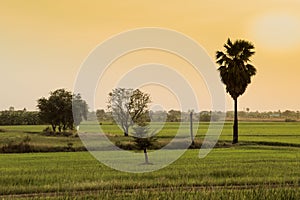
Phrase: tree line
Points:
(203, 116)
(56, 110)
(25, 117)
(19, 117)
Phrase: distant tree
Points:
(205, 116)
(19, 117)
(33, 118)
(11, 108)
(174, 116)
(288, 114)
(57, 109)
(279, 113)
(79, 108)
(158, 116)
(102, 116)
(91, 116)
(236, 72)
(128, 106)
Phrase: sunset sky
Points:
(43, 44)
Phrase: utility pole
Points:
(191, 127)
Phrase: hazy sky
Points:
(43, 43)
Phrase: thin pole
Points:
(191, 127)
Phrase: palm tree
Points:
(236, 72)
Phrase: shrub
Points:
(21, 147)
(26, 139)
(290, 120)
(67, 134)
(47, 130)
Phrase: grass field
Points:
(266, 133)
(238, 170)
(281, 132)
(265, 165)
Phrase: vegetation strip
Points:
(129, 190)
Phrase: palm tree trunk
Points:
(235, 124)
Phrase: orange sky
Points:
(43, 43)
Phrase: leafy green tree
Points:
(57, 109)
(128, 106)
(48, 112)
(236, 72)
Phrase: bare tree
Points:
(128, 106)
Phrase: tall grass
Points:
(234, 171)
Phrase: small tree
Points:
(128, 106)
(143, 139)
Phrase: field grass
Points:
(24, 128)
(265, 165)
(234, 171)
(250, 132)
(266, 133)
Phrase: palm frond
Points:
(251, 69)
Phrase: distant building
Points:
(275, 115)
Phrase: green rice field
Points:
(264, 165)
